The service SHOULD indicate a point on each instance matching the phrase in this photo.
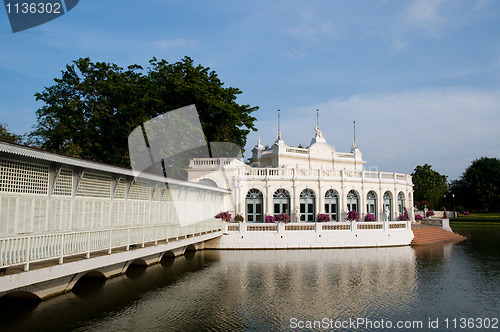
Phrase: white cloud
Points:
(481, 4)
(311, 27)
(424, 14)
(175, 43)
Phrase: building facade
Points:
(304, 182)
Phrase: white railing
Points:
(345, 155)
(297, 150)
(317, 226)
(24, 213)
(371, 175)
(29, 248)
(213, 162)
(291, 173)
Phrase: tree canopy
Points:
(429, 185)
(479, 186)
(6, 135)
(90, 111)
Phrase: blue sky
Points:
(421, 78)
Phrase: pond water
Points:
(440, 287)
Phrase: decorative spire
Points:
(278, 136)
(317, 118)
(354, 124)
(353, 147)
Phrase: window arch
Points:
(307, 205)
(352, 201)
(254, 201)
(371, 203)
(208, 182)
(401, 202)
(331, 204)
(281, 201)
(388, 204)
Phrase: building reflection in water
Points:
(313, 284)
(260, 290)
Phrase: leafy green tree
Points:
(429, 185)
(90, 111)
(6, 135)
(479, 186)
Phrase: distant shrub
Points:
(466, 213)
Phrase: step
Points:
(431, 235)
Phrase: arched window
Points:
(401, 202)
(307, 205)
(254, 202)
(352, 201)
(208, 182)
(388, 205)
(371, 203)
(281, 201)
(331, 204)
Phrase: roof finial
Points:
(354, 124)
(353, 148)
(317, 132)
(278, 136)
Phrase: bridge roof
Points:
(45, 157)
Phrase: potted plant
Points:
(239, 218)
(322, 217)
(404, 216)
(418, 217)
(283, 217)
(269, 219)
(352, 216)
(225, 216)
(369, 217)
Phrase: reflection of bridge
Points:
(62, 218)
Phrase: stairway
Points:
(428, 234)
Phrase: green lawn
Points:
(477, 219)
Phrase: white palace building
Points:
(305, 182)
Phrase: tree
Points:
(479, 186)
(6, 135)
(429, 185)
(90, 111)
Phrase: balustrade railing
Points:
(29, 248)
(290, 173)
(315, 226)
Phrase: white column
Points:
(268, 206)
(295, 201)
(320, 207)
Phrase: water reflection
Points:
(263, 290)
